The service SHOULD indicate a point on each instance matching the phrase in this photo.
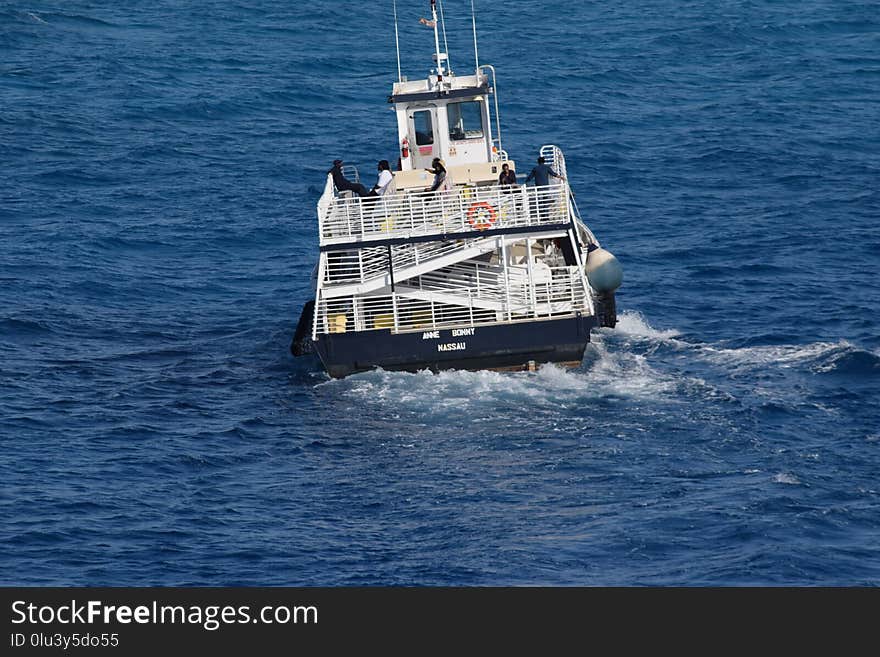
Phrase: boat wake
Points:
(633, 324)
(605, 374)
(633, 362)
(634, 332)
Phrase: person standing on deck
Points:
(442, 181)
(541, 174)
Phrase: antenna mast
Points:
(437, 41)
(476, 55)
(445, 43)
(397, 43)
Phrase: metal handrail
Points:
(451, 306)
(554, 157)
(463, 209)
(368, 262)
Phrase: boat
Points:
(473, 275)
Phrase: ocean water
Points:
(160, 167)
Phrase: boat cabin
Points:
(449, 117)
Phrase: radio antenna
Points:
(474, 23)
(437, 42)
(397, 43)
(445, 43)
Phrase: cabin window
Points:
(424, 128)
(465, 120)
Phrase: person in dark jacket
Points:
(343, 184)
(507, 179)
(544, 197)
(541, 174)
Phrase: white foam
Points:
(633, 323)
(627, 374)
(611, 374)
(780, 355)
(786, 478)
(36, 18)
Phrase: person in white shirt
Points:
(383, 183)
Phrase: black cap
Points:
(337, 163)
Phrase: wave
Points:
(71, 19)
(11, 327)
(633, 323)
(819, 357)
(22, 16)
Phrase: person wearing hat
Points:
(442, 181)
(343, 184)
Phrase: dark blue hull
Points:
(497, 346)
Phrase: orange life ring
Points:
(481, 216)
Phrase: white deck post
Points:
(506, 279)
(320, 277)
(532, 295)
(460, 214)
(581, 274)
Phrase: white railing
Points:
(485, 281)
(554, 158)
(327, 198)
(432, 306)
(368, 262)
(351, 173)
(463, 209)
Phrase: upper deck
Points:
(414, 213)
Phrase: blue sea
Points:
(160, 163)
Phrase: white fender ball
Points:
(603, 271)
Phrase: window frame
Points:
(416, 132)
(463, 117)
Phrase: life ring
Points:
(481, 216)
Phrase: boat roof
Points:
(451, 86)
